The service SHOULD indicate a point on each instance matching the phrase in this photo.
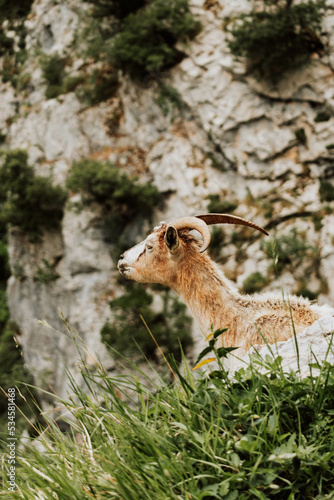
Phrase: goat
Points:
(173, 257)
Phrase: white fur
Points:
(134, 253)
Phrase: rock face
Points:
(235, 137)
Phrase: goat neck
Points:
(209, 294)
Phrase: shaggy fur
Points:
(213, 299)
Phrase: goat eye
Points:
(148, 246)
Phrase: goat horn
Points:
(229, 219)
(194, 223)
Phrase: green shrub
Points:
(292, 250)
(100, 85)
(70, 83)
(117, 8)
(95, 87)
(27, 201)
(128, 335)
(93, 39)
(14, 9)
(4, 264)
(14, 54)
(216, 247)
(6, 43)
(148, 38)
(322, 116)
(53, 68)
(219, 205)
(122, 197)
(46, 272)
(301, 136)
(4, 311)
(326, 191)
(12, 70)
(255, 282)
(304, 291)
(280, 36)
(169, 99)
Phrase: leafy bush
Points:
(280, 36)
(326, 191)
(122, 197)
(322, 116)
(218, 205)
(148, 38)
(169, 99)
(27, 201)
(127, 333)
(117, 8)
(53, 68)
(301, 135)
(14, 9)
(14, 53)
(218, 240)
(95, 87)
(304, 291)
(12, 70)
(4, 312)
(255, 282)
(4, 264)
(46, 272)
(6, 43)
(293, 253)
(101, 84)
(258, 435)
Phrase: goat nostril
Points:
(121, 257)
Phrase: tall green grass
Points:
(204, 436)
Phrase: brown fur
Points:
(214, 301)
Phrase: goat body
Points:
(171, 256)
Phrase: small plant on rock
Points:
(117, 8)
(122, 198)
(169, 99)
(322, 116)
(301, 135)
(28, 202)
(128, 335)
(46, 272)
(148, 38)
(255, 282)
(280, 35)
(54, 73)
(219, 205)
(14, 9)
(326, 191)
(100, 85)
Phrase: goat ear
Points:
(172, 239)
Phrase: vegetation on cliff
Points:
(148, 38)
(278, 36)
(28, 201)
(127, 334)
(122, 198)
